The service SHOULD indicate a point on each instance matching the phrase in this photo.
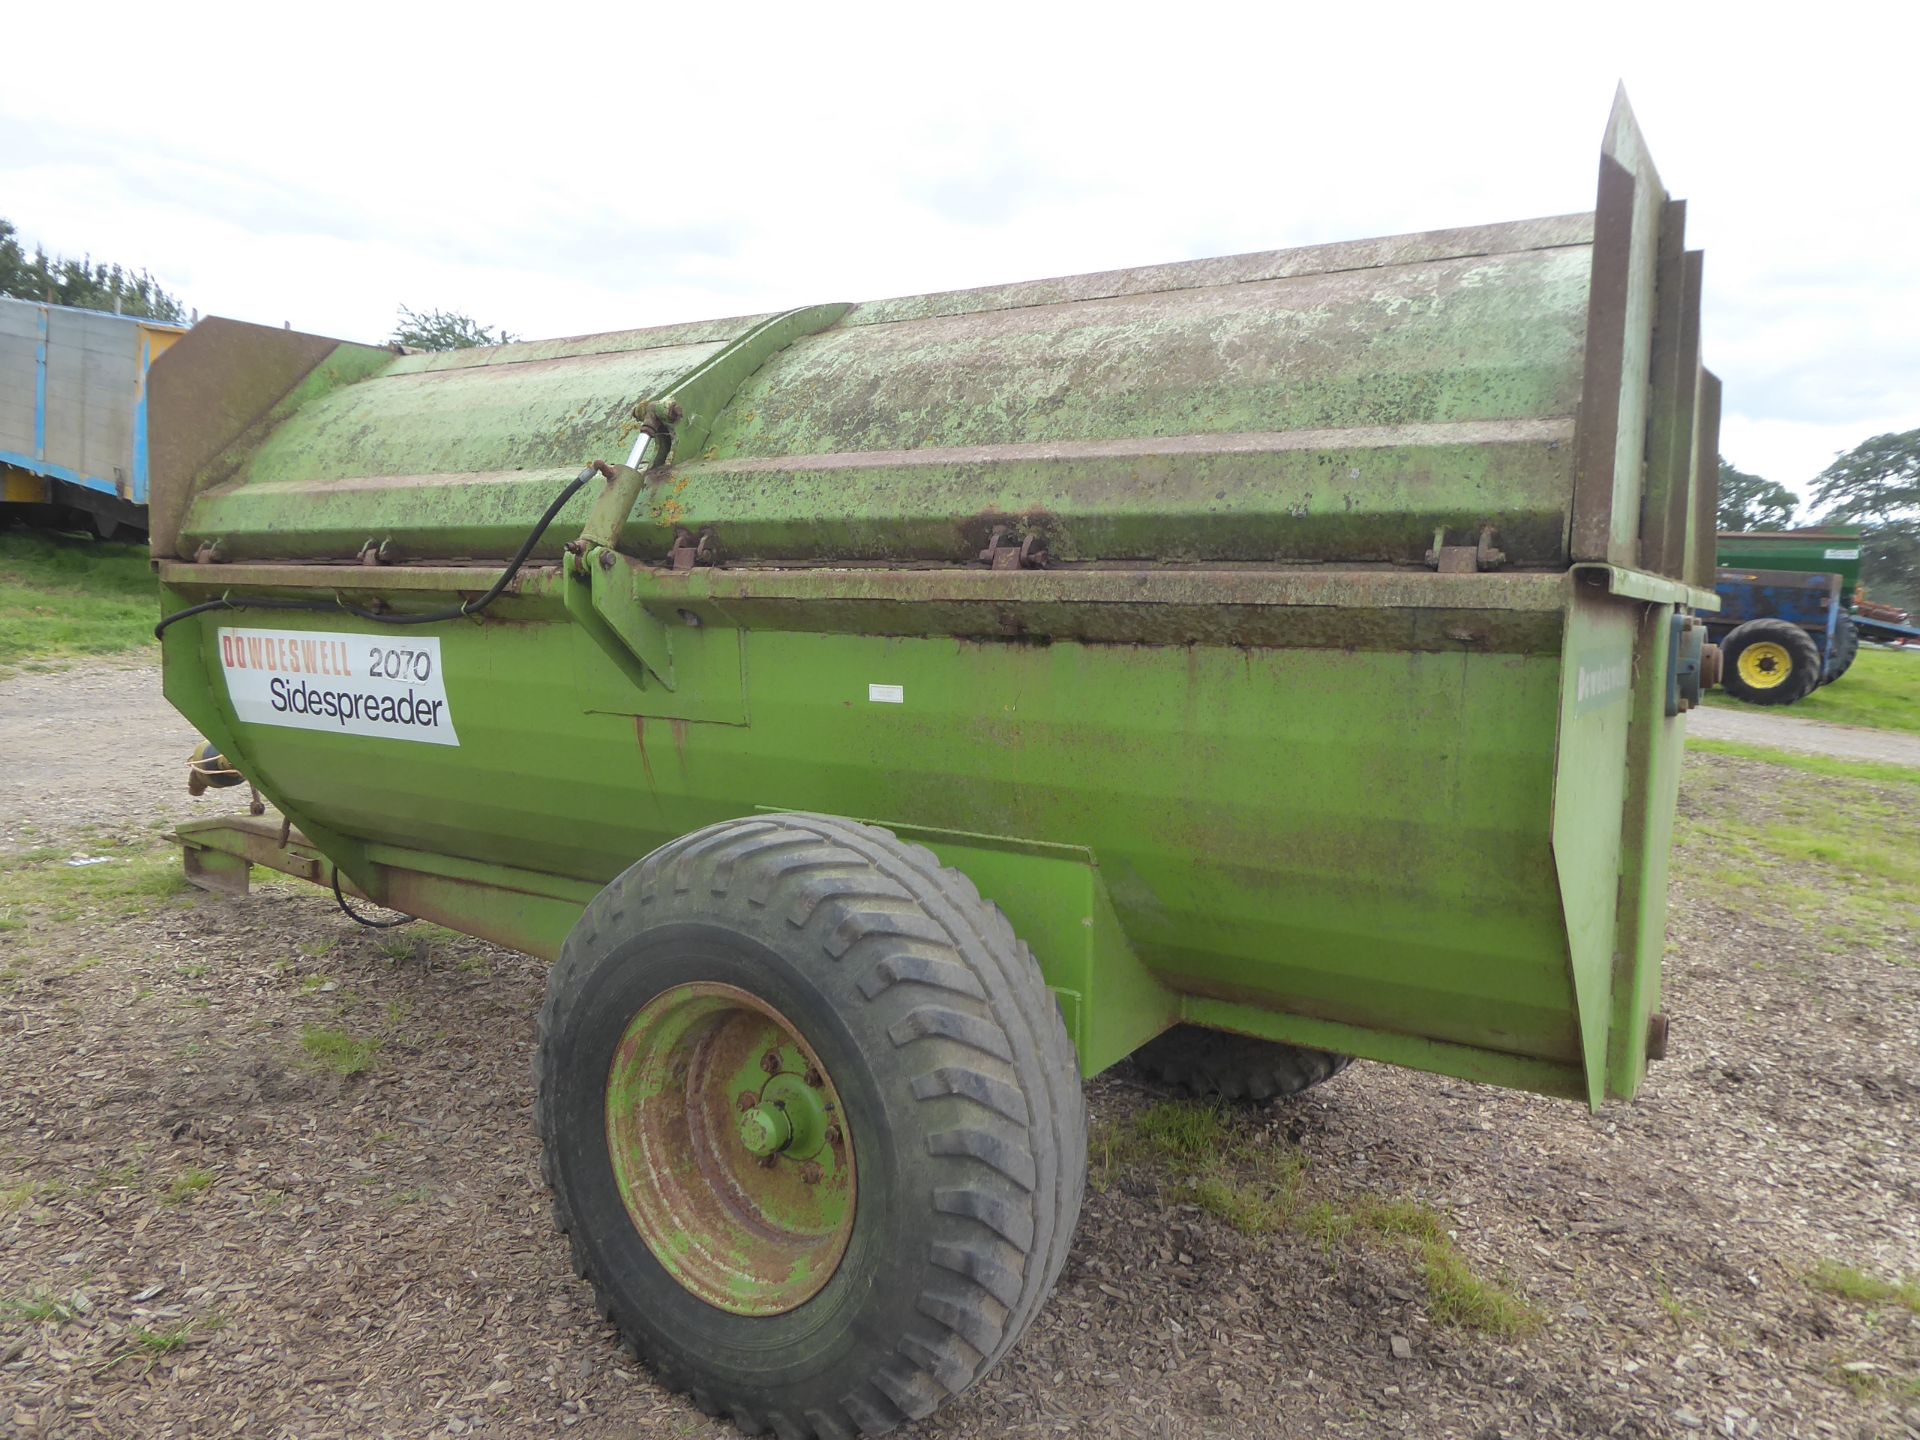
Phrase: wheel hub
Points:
(1765, 664)
(765, 1131)
(729, 1147)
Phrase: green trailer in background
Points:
(886, 715)
(1821, 550)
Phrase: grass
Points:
(1677, 1310)
(1810, 764)
(345, 1055)
(27, 1192)
(1880, 692)
(1863, 1287)
(188, 1184)
(1222, 1165)
(1832, 853)
(120, 1177)
(38, 1307)
(41, 885)
(157, 1344)
(63, 598)
(162, 1342)
(1456, 1296)
(1868, 1381)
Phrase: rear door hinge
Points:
(1004, 552)
(1464, 559)
(689, 551)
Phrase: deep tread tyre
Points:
(960, 1087)
(1846, 645)
(1785, 645)
(1207, 1062)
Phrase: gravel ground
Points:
(203, 1231)
(1754, 725)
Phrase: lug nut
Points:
(814, 1077)
(770, 1062)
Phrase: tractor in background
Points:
(1791, 617)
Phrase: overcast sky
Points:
(562, 168)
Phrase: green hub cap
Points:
(764, 1131)
(730, 1149)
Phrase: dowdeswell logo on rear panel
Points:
(350, 684)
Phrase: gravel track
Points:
(1754, 725)
(372, 1254)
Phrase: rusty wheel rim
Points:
(730, 1150)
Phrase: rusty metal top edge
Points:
(1419, 247)
(1640, 585)
(569, 347)
(1384, 585)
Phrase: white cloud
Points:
(589, 167)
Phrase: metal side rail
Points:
(522, 909)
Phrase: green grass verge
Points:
(40, 889)
(1828, 848)
(1811, 764)
(62, 598)
(1881, 691)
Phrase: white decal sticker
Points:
(1843, 554)
(887, 694)
(1599, 680)
(387, 686)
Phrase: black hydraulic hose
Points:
(431, 617)
(366, 920)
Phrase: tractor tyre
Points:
(1207, 1062)
(1846, 645)
(1769, 662)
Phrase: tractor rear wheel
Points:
(1234, 1067)
(1769, 662)
(812, 1122)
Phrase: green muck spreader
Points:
(886, 715)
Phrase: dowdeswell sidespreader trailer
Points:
(885, 715)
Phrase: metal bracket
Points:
(601, 599)
(1693, 665)
(657, 419)
(1464, 559)
(688, 551)
(1003, 552)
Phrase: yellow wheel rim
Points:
(1765, 665)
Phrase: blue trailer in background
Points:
(73, 428)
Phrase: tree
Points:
(1748, 502)
(63, 281)
(15, 268)
(444, 330)
(1877, 484)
